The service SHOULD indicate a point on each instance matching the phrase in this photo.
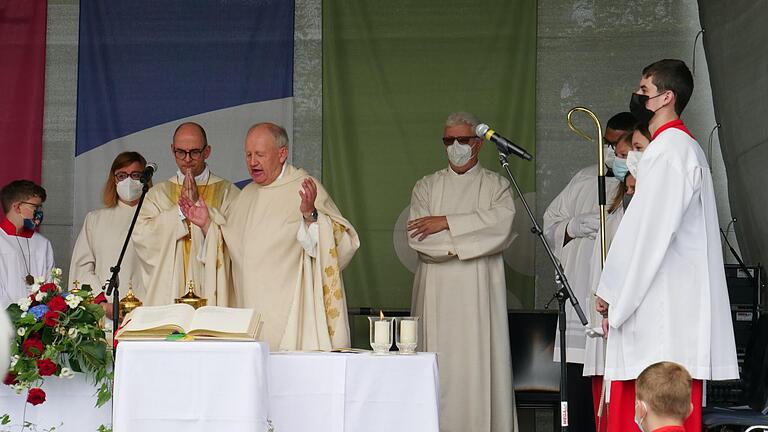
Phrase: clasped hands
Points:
(192, 206)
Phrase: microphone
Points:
(149, 171)
(504, 145)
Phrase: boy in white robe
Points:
(460, 222)
(663, 287)
(25, 255)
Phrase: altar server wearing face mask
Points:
(571, 227)
(98, 246)
(460, 222)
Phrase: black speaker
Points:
(744, 295)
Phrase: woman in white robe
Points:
(101, 238)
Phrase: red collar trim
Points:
(670, 429)
(10, 229)
(674, 124)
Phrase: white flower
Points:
(56, 272)
(24, 303)
(19, 388)
(39, 296)
(72, 332)
(21, 331)
(40, 280)
(73, 300)
(23, 314)
(66, 373)
(14, 360)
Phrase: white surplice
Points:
(167, 245)
(459, 292)
(20, 256)
(664, 276)
(580, 264)
(98, 246)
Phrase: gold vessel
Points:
(191, 298)
(129, 302)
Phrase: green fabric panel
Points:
(392, 72)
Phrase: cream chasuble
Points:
(580, 259)
(97, 249)
(664, 278)
(459, 292)
(301, 298)
(168, 247)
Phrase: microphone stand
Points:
(563, 293)
(114, 280)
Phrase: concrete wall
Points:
(61, 104)
(591, 53)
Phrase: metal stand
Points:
(563, 293)
(113, 285)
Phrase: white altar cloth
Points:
(66, 401)
(198, 386)
(334, 392)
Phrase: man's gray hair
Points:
(462, 118)
(278, 133)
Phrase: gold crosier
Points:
(601, 203)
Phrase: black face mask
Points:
(638, 109)
(625, 201)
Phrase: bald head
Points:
(190, 148)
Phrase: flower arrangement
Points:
(57, 334)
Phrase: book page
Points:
(222, 320)
(154, 317)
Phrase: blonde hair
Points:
(109, 196)
(666, 388)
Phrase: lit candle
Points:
(381, 330)
(408, 331)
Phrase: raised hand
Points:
(308, 194)
(195, 212)
(426, 226)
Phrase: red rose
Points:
(36, 396)
(32, 347)
(101, 298)
(48, 287)
(10, 379)
(51, 318)
(57, 304)
(46, 367)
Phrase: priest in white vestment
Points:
(25, 255)
(166, 243)
(460, 222)
(288, 244)
(101, 238)
(664, 280)
(571, 224)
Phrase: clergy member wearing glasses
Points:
(167, 244)
(101, 238)
(460, 222)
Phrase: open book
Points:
(207, 322)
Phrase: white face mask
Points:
(609, 155)
(129, 189)
(459, 154)
(633, 159)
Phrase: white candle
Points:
(381, 332)
(408, 331)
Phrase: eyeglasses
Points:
(193, 154)
(461, 139)
(609, 143)
(36, 206)
(122, 175)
